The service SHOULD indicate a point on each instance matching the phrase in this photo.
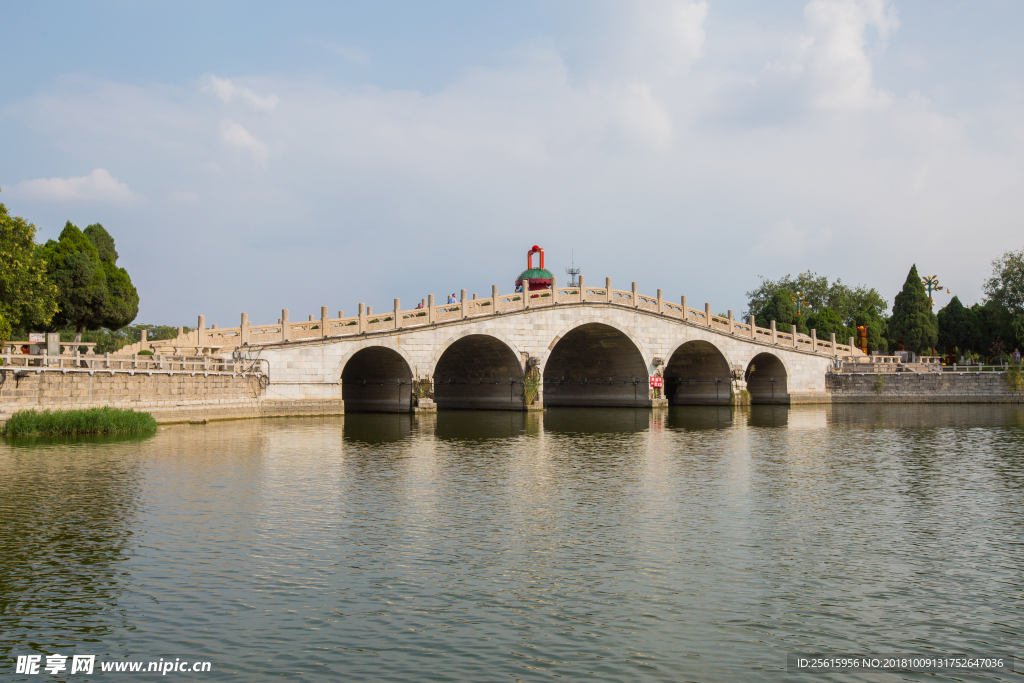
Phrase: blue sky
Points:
(263, 156)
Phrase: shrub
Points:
(70, 422)
(145, 352)
(1014, 377)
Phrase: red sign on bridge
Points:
(657, 382)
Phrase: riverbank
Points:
(921, 387)
(169, 398)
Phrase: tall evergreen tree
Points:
(913, 325)
(122, 302)
(93, 291)
(958, 328)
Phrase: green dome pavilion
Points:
(539, 278)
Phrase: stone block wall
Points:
(926, 387)
(170, 398)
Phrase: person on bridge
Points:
(452, 299)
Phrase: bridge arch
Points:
(478, 371)
(767, 379)
(697, 373)
(377, 379)
(596, 363)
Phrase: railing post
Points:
(636, 297)
(707, 314)
(465, 304)
(201, 331)
(398, 314)
(814, 339)
(851, 346)
(323, 321)
(608, 289)
(494, 299)
(431, 313)
(661, 303)
(732, 324)
(243, 329)
(526, 293)
(794, 336)
(362, 318)
(752, 321)
(686, 311)
(142, 339)
(554, 290)
(583, 290)
(775, 339)
(285, 329)
(832, 338)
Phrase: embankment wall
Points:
(925, 387)
(169, 398)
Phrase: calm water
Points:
(587, 545)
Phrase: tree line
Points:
(987, 330)
(71, 285)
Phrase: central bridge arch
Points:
(478, 372)
(596, 364)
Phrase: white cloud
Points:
(236, 136)
(838, 64)
(226, 91)
(98, 186)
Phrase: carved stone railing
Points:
(219, 341)
(131, 364)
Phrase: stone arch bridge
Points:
(581, 346)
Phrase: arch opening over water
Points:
(377, 379)
(478, 372)
(767, 379)
(596, 365)
(697, 374)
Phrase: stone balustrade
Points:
(222, 340)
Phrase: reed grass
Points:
(72, 422)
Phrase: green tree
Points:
(827, 322)
(92, 291)
(877, 328)
(958, 328)
(1005, 288)
(779, 308)
(913, 325)
(847, 302)
(122, 302)
(27, 297)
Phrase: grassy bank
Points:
(71, 422)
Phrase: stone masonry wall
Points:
(170, 398)
(926, 387)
